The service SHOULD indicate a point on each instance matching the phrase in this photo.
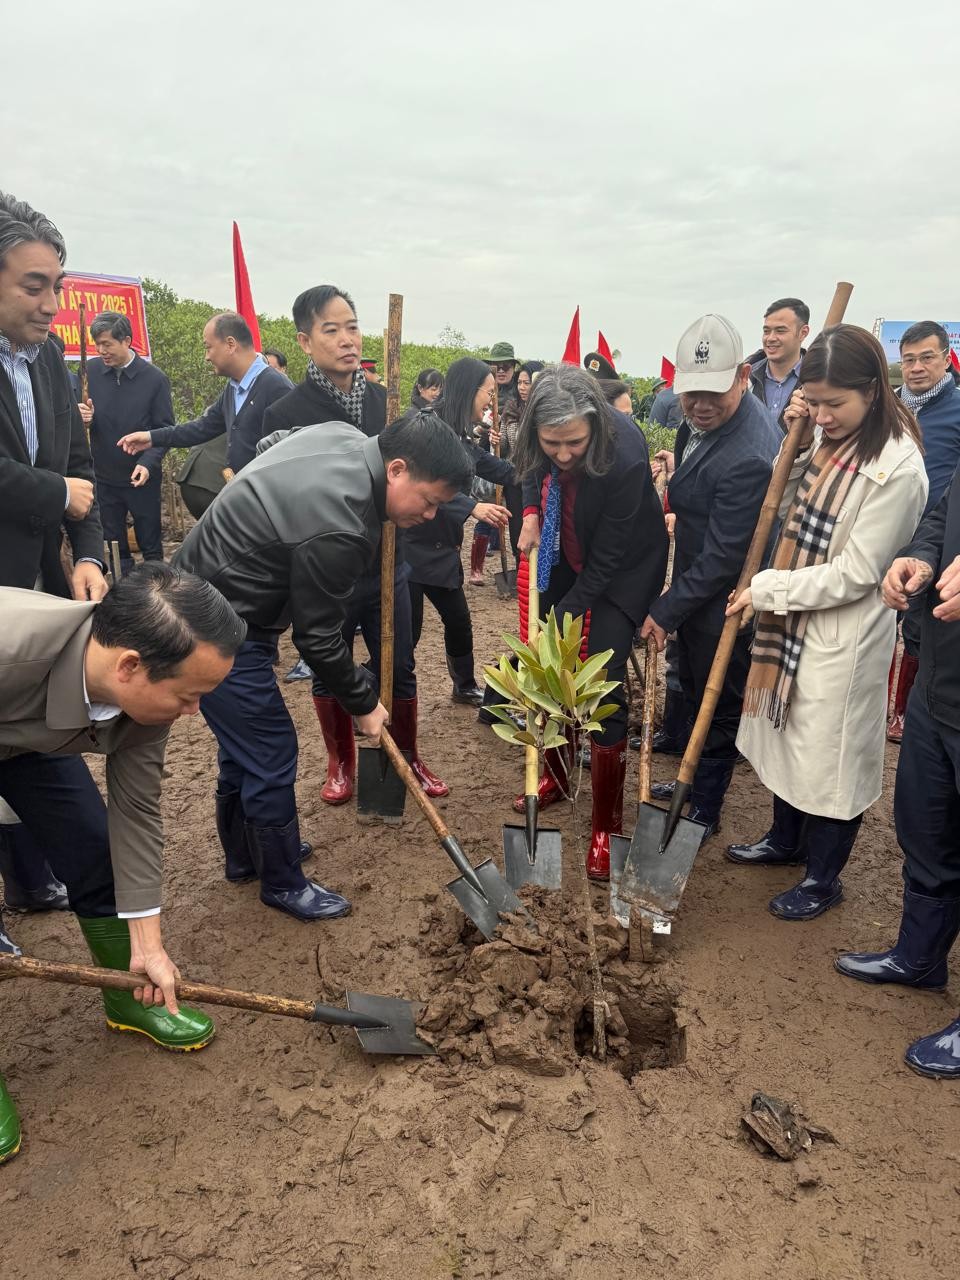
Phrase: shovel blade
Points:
(506, 584)
(398, 1035)
(653, 880)
(498, 898)
(619, 907)
(546, 869)
(381, 794)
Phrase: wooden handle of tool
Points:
(388, 540)
(646, 732)
(411, 782)
(768, 514)
(388, 559)
(82, 975)
(532, 760)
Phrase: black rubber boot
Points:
(465, 687)
(231, 828)
(276, 857)
(706, 795)
(937, 1055)
(28, 882)
(829, 842)
(782, 846)
(928, 929)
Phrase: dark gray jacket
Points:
(716, 496)
(287, 541)
(937, 541)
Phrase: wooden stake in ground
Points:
(84, 379)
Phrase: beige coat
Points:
(829, 759)
(43, 640)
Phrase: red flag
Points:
(954, 360)
(667, 370)
(571, 353)
(245, 305)
(604, 349)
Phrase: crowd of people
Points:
(289, 517)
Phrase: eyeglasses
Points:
(924, 358)
(504, 366)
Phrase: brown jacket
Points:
(42, 708)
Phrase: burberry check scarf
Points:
(351, 402)
(804, 541)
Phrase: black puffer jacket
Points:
(937, 541)
(287, 540)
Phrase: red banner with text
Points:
(96, 294)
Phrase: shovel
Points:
(481, 891)
(665, 845)
(382, 1023)
(531, 856)
(506, 580)
(380, 793)
(620, 846)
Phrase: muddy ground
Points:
(283, 1151)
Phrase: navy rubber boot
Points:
(928, 929)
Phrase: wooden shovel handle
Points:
(82, 975)
(646, 731)
(768, 514)
(388, 542)
(411, 782)
(532, 761)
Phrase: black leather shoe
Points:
(764, 852)
(662, 790)
(711, 823)
(28, 882)
(468, 697)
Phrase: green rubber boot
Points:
(9, 1125)
(109, 941)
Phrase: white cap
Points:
(708, 356)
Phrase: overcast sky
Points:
(648, 161)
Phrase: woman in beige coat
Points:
(813, 723)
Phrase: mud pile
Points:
(525, 1000)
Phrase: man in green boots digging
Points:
(109, 679)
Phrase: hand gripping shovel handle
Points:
(449, 843)
(728, 637)
(531, 782)
(81, 975)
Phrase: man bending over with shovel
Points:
(290, 540)
(78, 678)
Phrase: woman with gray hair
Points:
(591, 508)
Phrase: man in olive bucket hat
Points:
(504, 364)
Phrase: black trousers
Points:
(610, 628)
(144, 505)
(695, 651)
(60, 806)
(256, 737)
(363, 611)
(451, 604)
(513, 499)
(926, 802)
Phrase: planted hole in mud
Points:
(653, 1037)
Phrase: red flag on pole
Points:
(667, 370)
(241, 280)
(603, 348)
(571, 353)
(955, 360)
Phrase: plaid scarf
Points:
(804, 540)
(916, 402)
(351, 402)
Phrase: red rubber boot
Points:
(337, 729)
(478, 555)
(403, 726)
(608, 767)
(908, 673)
